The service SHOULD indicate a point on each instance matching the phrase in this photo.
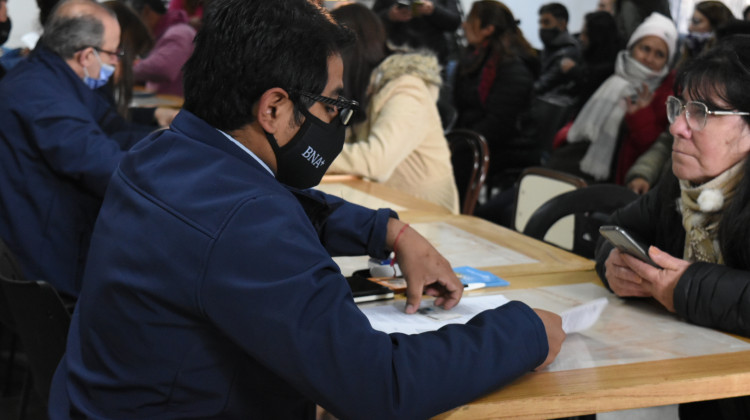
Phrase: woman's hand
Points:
(641, 99)
(621, 278)
(639, 186)
(659, 282)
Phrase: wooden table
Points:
(551, 259)
(585, 391)
(580, 391)
(410, 203)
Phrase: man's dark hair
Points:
(155, 5)
(559, 11)
(246, 47)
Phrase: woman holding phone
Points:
(697, 219)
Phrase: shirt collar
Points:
(248, 151)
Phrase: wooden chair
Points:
(591, 207)
(41, 322)
(469, 185)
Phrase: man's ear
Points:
(84, 57)
(274, 108)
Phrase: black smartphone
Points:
(627, 243)
(365, 290)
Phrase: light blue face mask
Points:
(106, 71)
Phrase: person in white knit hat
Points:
(627, 113)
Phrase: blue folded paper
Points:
(474, 279)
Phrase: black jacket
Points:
(552, 79)
(508, 97)
(711, 295)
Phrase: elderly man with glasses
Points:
(60, 141)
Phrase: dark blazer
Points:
(59, 144)
(210, 292)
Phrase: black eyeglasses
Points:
(119, 53)
(345, 107)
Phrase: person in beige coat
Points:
(398, 139)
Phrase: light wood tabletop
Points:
(565, 393)
(550, 259)
(562, 393)
(414, 210)
(404, 202)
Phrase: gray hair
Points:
(65, 35)
(74, 25)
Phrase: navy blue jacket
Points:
(59, 144)
(210, 292)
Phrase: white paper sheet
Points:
(391, 318)
(582, 317)
(625, 332)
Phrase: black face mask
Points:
(4, 31)
(303, 161)
(548, 35)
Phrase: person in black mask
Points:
(558, 44)
(222, 299)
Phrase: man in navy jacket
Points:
(60, 141)
(210, 291)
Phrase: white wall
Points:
(24, 15)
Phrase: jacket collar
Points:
(189, 125)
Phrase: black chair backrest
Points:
(10, 269)
(8, 264)
(592, 206)
(448, 115)
(469, 185)
(42, 323)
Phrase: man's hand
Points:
(399, 14)
(555, 335)
(659, 282)
(639, 186)
(566, 64)
(425, 9)
(425, 270)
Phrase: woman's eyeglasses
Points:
(696, 113)
(345, 107)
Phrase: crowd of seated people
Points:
(67, 120)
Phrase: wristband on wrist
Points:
(395, 242)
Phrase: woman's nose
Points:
(680, 126)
